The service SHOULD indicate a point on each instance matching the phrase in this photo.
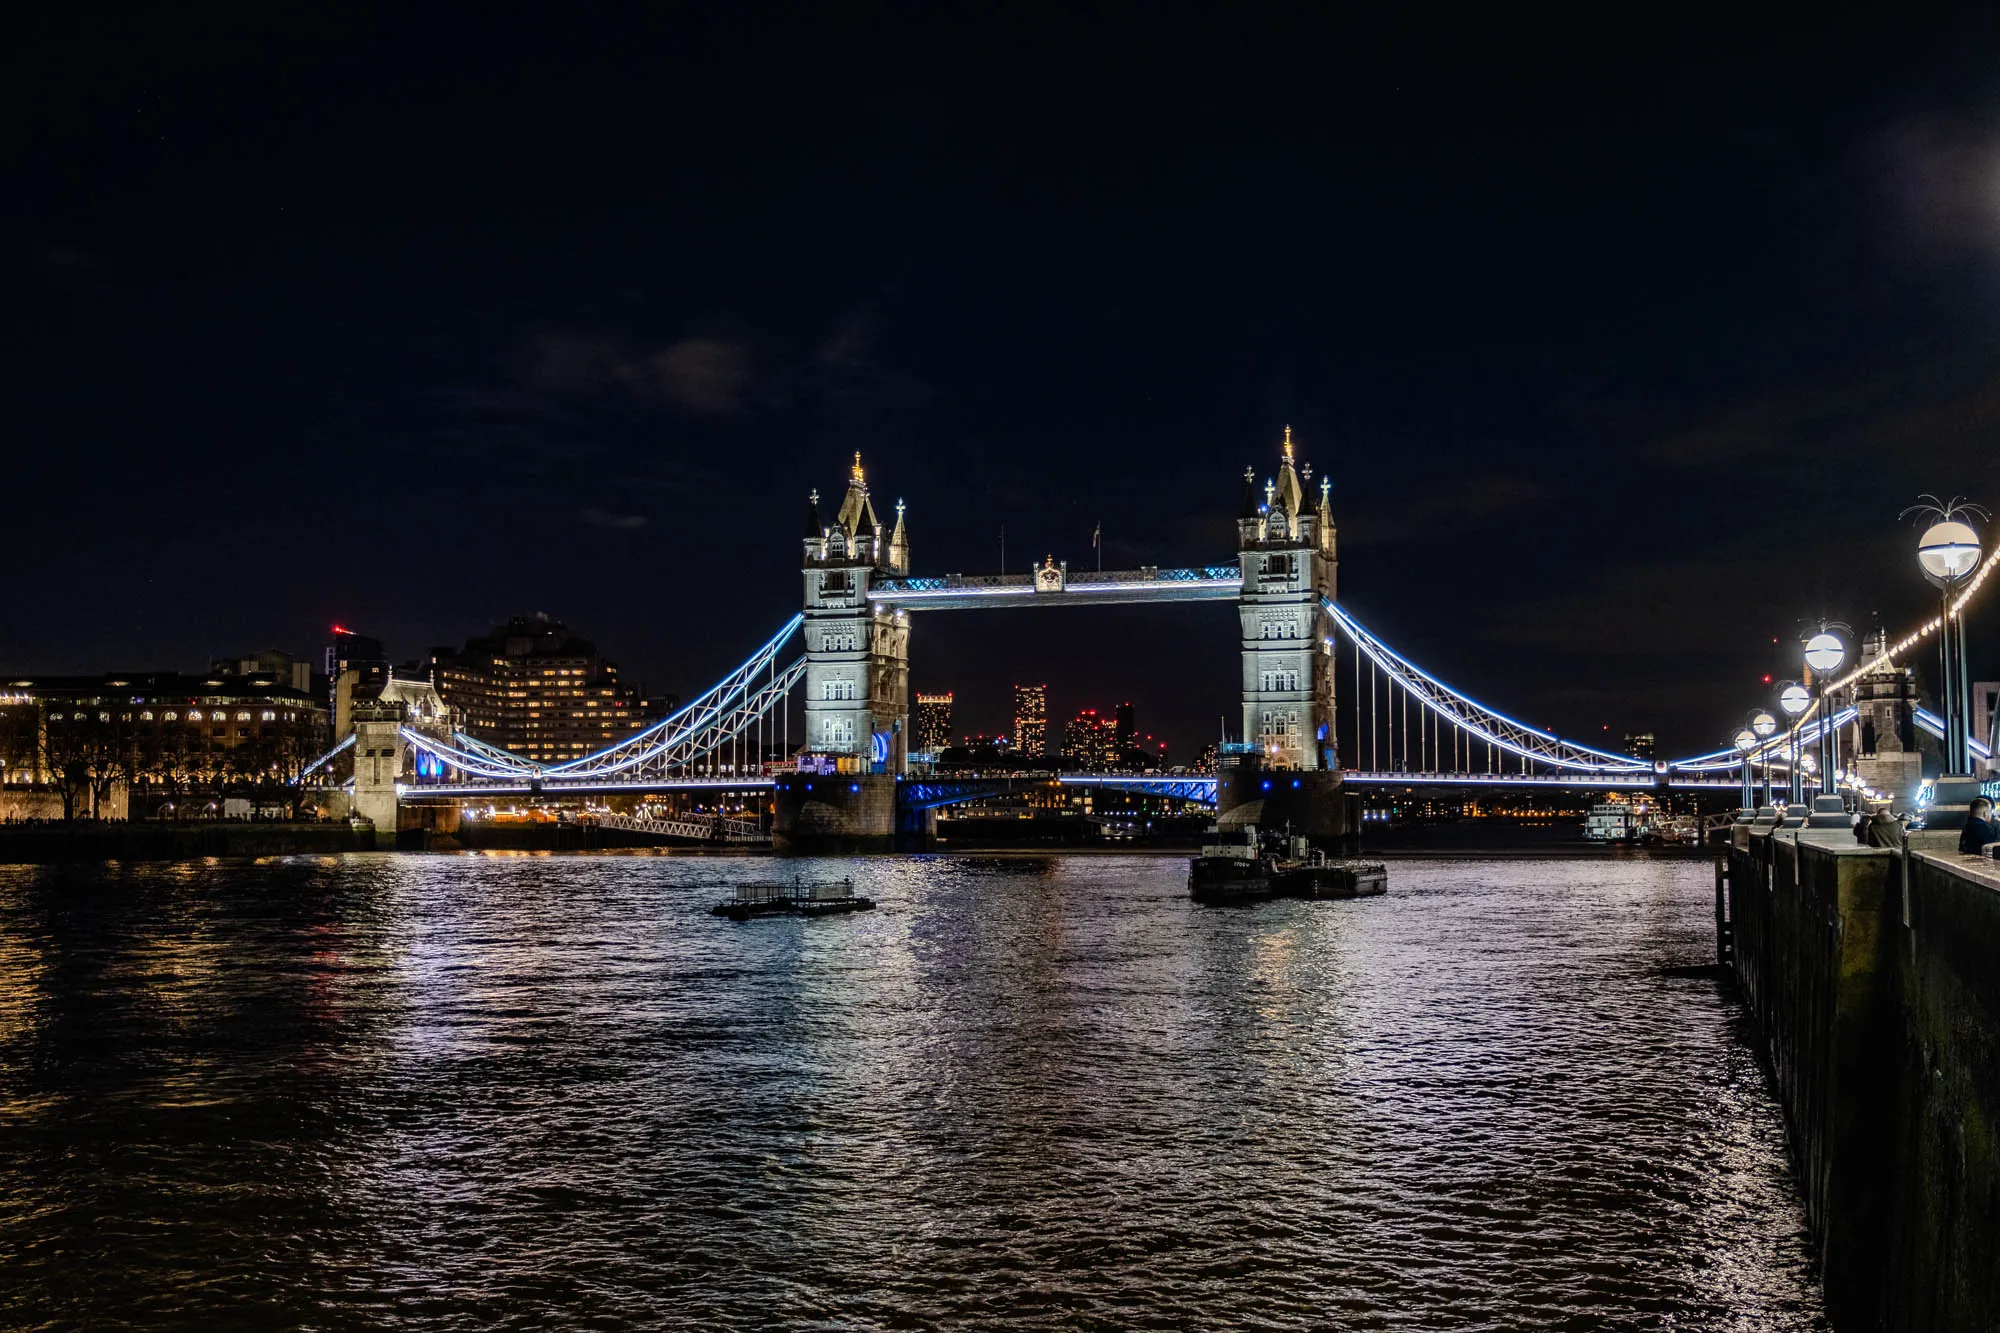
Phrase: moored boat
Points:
(769, 898)
(1227, 871)
(1250, 868)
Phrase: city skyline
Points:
(729, 666)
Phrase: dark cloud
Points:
(702, 376)
(600, 518)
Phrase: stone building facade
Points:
(857, 654)
(1288, 554)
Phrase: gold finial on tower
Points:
(857, 474)
(1288, 444)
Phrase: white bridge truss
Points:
(1530, 745)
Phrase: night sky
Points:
(1624, 341)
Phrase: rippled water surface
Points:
(535, 1092)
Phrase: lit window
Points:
(171, 718)
(146, 716)
(194, 715)
(270, 716)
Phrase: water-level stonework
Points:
(1874, 977)
(380, 1091)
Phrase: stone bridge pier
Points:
(379, 755)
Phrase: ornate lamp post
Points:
(1824, 653)
(1949, 552)
(1745, 741)
(1795, 699)
(1763, 726)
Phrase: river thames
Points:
(1025, 1092)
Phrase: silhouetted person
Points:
(1978, 831)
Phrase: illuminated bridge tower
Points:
(857, 681)
(1290, 770)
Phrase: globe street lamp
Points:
(1745, 741)
(1794, 699)
(1763, 725)
(1948, 553)
(1824, 653)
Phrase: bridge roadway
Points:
(927, 793)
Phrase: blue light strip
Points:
(1027, 593)
(328, 756)
(1576, 781)
(1184, 788)
(474, 745)
(585, 787)
(1776, 746)
(1934, 724)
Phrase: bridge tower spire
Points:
(1288, 554)
(857, 651)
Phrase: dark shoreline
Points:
(58, 844)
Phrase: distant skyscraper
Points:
(1031, 721)
(1640, 745)
(1090, 740)
(1125, 733)
(933, 722)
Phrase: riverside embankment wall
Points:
(1875, 983)
(51, 844)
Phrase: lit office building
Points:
(1031, 721)
(933, 722)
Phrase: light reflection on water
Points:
(1025, 1091)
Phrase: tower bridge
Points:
(844, 659)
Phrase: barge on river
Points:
(769, 898)
(1250, 867)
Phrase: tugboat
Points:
(1278, 867)
(769, 898)
(1228, 872)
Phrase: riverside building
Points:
(533, 687)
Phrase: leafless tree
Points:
(64, 746)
